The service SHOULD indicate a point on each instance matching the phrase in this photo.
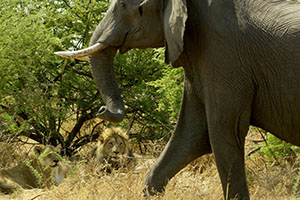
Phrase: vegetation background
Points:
(49, 100)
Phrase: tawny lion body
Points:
(44, 170)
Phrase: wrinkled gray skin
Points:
(241, 60)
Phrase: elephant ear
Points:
(175, 16)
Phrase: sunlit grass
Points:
(199, 180)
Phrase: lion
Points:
(113, 150)
(45, 169)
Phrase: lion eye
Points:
(111, 144)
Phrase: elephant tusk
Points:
(83, 53)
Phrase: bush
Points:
(276, 149)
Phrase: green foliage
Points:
(169, 86)
(41, 93)
(37, 86)
(151, 90)
(275, 149)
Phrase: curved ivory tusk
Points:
(83, 52)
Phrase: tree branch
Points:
(83, 118)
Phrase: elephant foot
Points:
(153, 186)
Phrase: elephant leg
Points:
(189, 141)
(228, 126)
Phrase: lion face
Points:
(45, 169)
(114, 146)
(112, 150)
(48, 155)
(51, 161)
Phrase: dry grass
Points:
(199, 180)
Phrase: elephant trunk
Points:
(103, 73)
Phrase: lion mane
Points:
(112, 149)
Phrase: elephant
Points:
(241, 61)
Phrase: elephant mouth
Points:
(123, 48)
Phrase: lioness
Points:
(112, 149)
(44, 170)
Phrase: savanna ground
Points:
(275, 179)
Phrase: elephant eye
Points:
(141, 10)
(122, 3)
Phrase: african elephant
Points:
(241, 61)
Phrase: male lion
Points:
(112, 149)
(44, 170)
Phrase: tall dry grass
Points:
(199, 180)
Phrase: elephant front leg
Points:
(228, 126)
(189, 141)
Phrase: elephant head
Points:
(131, 24)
